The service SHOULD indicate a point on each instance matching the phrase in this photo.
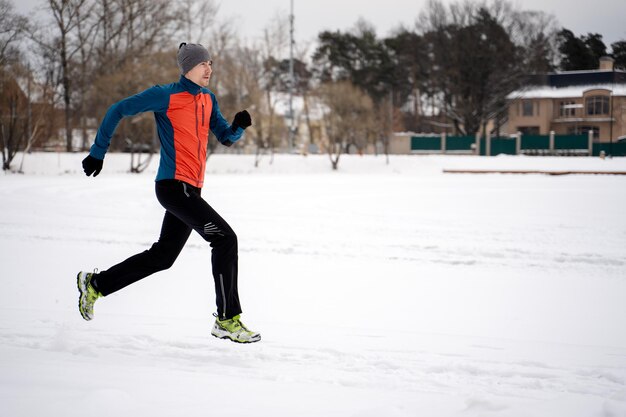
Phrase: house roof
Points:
(572, 84)
(573, 91)
(583, 77)
(281, 102)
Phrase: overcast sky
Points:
(606, 17)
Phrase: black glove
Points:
(92, 165)
(242, 120)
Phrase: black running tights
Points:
(185, 211)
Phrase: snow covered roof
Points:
(281, 102)
(565, 92)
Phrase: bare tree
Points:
(60, 41)
(348, 119)
(133, 28)
(140, 147)
(222, 44)
(86, 30)
(13, 101)
(135, 134)
(196, 16)
(269, 127)
(246, 88)
(35, 112)
(248, 75)
(276, 36)
(12, 27)
(13, 124)
(479, 53)
(67, 15)
(133, 50)
(20, 119)
(303, 86)
(94, 39)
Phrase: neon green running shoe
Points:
(88, 295)
(234, 330)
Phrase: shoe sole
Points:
(82, 291)
(236, 341)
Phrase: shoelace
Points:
(235, 321)
(238, 321)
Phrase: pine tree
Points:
(619, 54)
(580, 53)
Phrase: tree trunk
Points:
(307, 116)
(334, 153)
(66, 93)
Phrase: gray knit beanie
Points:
(190, 55)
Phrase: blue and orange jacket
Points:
(184, 113)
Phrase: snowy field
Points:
(380, 290)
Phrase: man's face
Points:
(201, 73)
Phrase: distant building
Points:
(310, 134)
(572, 102)
(26, 112)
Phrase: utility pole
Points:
(292, 119)
(611, 119)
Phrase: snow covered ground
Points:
(380, 290)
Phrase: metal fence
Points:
(551, 144)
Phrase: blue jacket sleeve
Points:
(221, 128)
(154, 99)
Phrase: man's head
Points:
(195, 62)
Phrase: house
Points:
(27, 111)
(572, 103)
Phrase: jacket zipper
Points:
(198, 136)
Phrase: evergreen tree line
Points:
(451, 72)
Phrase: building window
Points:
(568, 108)
(597, 105)
(584, 130)
(528, 108)
(528, 130)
